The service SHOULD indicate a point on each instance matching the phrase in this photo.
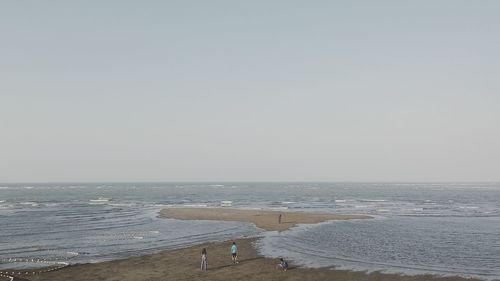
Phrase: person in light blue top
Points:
(234, 253)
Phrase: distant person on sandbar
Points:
(234, 253)
(279, 219)
(204, 261)
(282, 265)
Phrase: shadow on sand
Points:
(231, 264)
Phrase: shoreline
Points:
(184, 263)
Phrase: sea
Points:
(445, 229)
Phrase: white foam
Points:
(278, 208)
(33, 204)
(193, 205)
(122, 204)
(100, 200)
(51, 204)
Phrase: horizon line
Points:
(238, 181)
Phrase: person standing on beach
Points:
(279, 219)
(234, 253)
(204, 262)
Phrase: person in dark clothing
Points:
(282, 265)
(204, 261)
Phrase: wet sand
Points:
(267, 220)
(184, 264)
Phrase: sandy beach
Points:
(184, 264)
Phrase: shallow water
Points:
(445, 246)
(420, 228)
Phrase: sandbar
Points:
(267, 220)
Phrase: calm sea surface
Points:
(438, 228)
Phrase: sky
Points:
(394, 91)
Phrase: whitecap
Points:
(33, 204)
(51, 204)
(194, 205)
(122, 204)
(278, 208)
(100, 200)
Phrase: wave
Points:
(193, 205)
(33, 204)
(100, 200)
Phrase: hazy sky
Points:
(249, 90)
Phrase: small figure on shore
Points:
(283, 264)
(204, 261)
(234, 253)
(279, 219)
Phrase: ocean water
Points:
(437, 228)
